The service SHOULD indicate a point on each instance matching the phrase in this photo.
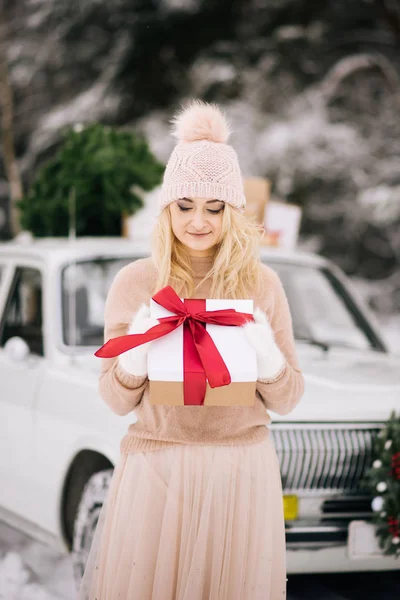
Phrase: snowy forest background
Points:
(312, 89)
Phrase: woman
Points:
(195, 510)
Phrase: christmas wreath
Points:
(382, 480)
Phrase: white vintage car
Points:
(59, 441)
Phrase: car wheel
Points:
(87, 516)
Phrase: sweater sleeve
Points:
(120, 390)
(282, 394)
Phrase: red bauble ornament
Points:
(393, 526)
(396, 465)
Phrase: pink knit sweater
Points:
(162, 426)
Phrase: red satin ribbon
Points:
(202, 360)
(194, 376)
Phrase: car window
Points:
(321, 309)
(319, 306)
(84, 289)
(23, 312)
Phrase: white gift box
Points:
(165, 360)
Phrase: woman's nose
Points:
(198, 220)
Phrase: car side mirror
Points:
(16, 349)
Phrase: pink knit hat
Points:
(202, 164)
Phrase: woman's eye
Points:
(209, 210)
(215, 212)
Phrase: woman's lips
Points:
(199, 235)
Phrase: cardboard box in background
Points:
(281, 221)
(282, 225)
(257, 191)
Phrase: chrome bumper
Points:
(324, 519)
(333, 559)
(316, 542)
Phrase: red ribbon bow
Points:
(202, 360)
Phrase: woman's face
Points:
(197, 223)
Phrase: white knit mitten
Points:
(134, 361)
(270, 360)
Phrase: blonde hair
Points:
(235, 272)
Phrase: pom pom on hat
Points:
(201, 121)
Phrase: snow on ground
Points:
(30, 570)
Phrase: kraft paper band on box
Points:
(204, 358)
(169, 360)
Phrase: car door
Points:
(21, 319)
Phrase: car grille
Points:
(325, 457)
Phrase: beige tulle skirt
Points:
(191, 522)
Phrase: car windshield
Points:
(321, 308)
(84, 289)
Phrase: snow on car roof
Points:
(296, 256)
(62, 249)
